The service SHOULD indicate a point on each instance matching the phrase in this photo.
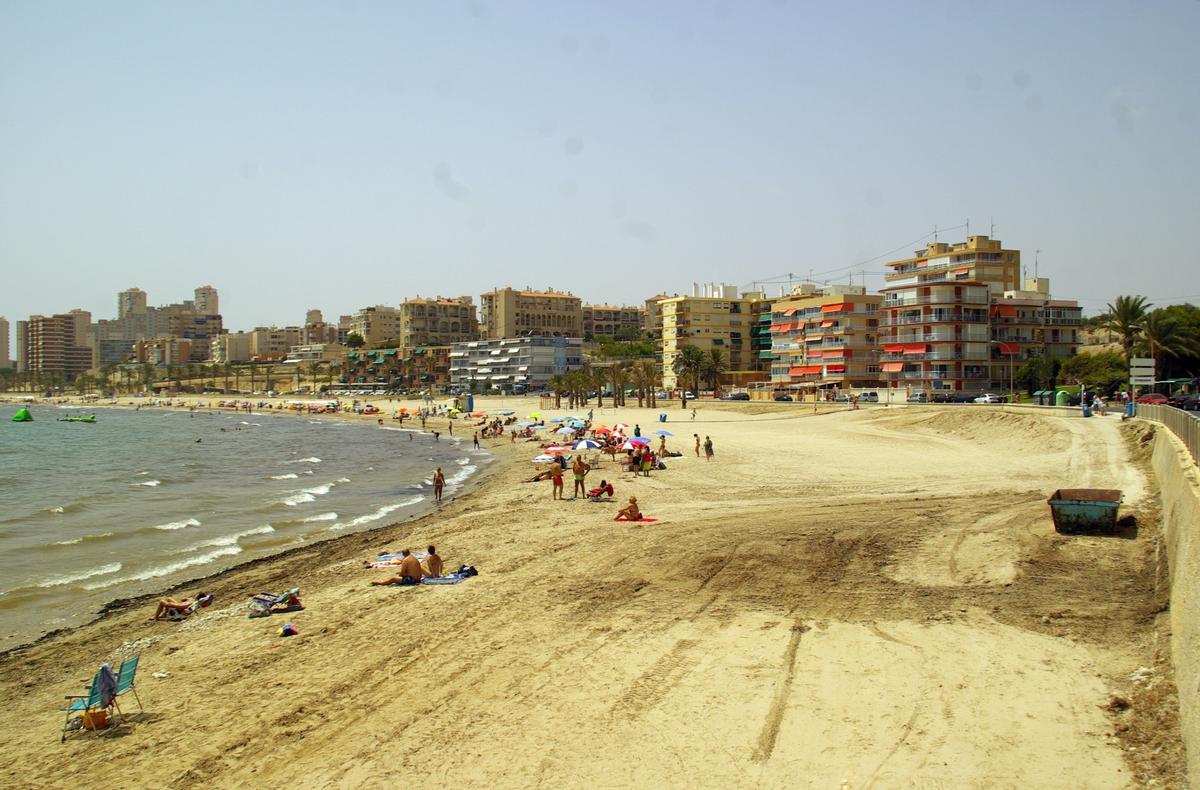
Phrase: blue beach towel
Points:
(453, 578)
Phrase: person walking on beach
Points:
(696, 436)
(477, 440)
(693, 415)
(580, 470)
(637, 430)
(556, 481)
(450, 427)
(708, 451)
(439, 484)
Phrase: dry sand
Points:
(872, 598)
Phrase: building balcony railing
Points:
(935, 299)
(933, 318)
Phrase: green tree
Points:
(1124, 319)
(712, 367)
(1038, 373)
(354, 340)
(1165, 334)
(618, 374)
(688, 364)
(1105, 370)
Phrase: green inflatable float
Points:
(22, 415)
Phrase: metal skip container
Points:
(1078, 510)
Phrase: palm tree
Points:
(713, 365)
(687, 365)
(1164, 335)
(598, 380)
(559, 385)
(1124, 318)
(619, 376)
(314, 370)
(253, 371)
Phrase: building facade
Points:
(5, 355)
(56, 344)
(376, 324)
(935, 328)
(604, 320)
(1028, 323)
(437, 321)
(513, 364)
(424, 369)
(506, 313)
(826, 338)
(230, 347)
(717, 317)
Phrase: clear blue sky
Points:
(336, 155)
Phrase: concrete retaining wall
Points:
(1180, 486)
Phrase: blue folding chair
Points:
(82, 704)
(125, 678)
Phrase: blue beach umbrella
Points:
(558, 419)
(524, 423)
(587, 444)
(639, 440)
(538, 427)
(577, 424)
(565, 431)
(664, 433)
(506, 412)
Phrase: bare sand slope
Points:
(869, 598)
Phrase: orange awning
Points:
(815, 354)
(1010, 348)
(826, 324)
(791, 311)
(804, 370)
(800, 324)
(777, 327)
(894, 348)
(916, 348)
(893, 367)
(834, 308)
(963, 270)
(1004, 311)
(835, 368)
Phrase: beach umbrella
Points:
(535, 415)
(505, 412)
(565, 431)
(577, 424)
(661, 432)
(588, 444)
(456, 411)
(619, 426)
(601, 429)
(639, 440)
(541, 459)
(538, 427)
(558, 450)
(524, 424)
(628, 446)
(558, 419)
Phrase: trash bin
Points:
(662, 418)
(1061, 398)
(1087, 410)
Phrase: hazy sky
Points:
(336, 155)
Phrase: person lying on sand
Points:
(168, 605)
(410, 571)
(630, 511)
(539, 477)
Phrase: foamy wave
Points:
(150, 483)
(290, 476)
(58, 581)
(226, 540)
(163, 570)
(191, 522)
(57, 510)
(461, 475)
(100, 536)
(320, 490)
(378, 514)
(343, 480)
(313, 460)
(319, 517)
(463, 461)
(297, 499)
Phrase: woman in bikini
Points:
(631, 511)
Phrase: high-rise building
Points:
(716, 317)
(653, 316)
(5, 359)
(935, 327)
(131, 301)
(437, 321)
(57, 344)
(515, 364)
(206, 300)
(506, 312)
(825, 338)
(1027, 324)
(376, 324)
(22, 346)
(604, 320)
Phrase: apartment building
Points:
(164, 350)
(415, 369)
(652, 316)
(825, 337)
(5, 358)
(55, 344)
(376, 324)
(230, 347)
(513, 364)
(935, 329)
(717, 316)
(506, 312)
(437, 321)
(605, 320)
(1029, 323)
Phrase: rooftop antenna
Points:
(935, 234)
(968, 226)
(1036, 253)
(992, 229)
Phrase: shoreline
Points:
(471, 486)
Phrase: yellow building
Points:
(826, 337)
(376, 324)
(506, 312)
(609, 320)
(715, 316)
(653, 316)
(437, 322)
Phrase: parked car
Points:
(988, 397)
(1153, 398)
(918, 397)
(736, 396)
(783, 398)
(868, 397)
(1189, 402)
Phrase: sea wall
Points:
(1180, 486)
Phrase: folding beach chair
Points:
(264, 604)
(183, 612)
(84, 705)
(125, 677)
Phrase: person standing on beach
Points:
(450, 426)
(693, 415)
(580, 470)
(556, 481)
(708, 450)
(696, 436)
(477, 440)
(439, 484)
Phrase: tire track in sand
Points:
(653, 685)
(770, 731)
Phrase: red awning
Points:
(894, 348)
(791, 311)
(835, 368)
(1004, 311)
(963, 270)
(826, 324)
(847, 353)
(893, 367)
(916, 348)
(800, 324)
(804, 370)
(815, 354)
(777, 327)
(1010, 348)
(834, 308)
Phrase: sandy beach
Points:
(847, 599)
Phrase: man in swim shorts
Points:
(410, 571)
(580, 469)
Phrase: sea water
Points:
(145, 499)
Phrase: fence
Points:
(1179, 422)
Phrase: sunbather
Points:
(433, 563)
(630, 511)
(169, 607)
(410, 571)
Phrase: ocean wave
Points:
(463, 461)
(150, 483)
(56, 510)
(320, 490)
(343, 480)
(331, 516)
(378, 514)
(461, 475)
(84, 539)
(297, 499)
(58, 581)
(313, 460)
(173, 525)
(164, 570)
(290, 476)
(226, 540)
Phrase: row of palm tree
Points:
(128, 378)
(642, 376)
(1158, 334)
(693, 366)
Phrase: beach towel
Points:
(108, 686)
(453, 578)
(643, 518)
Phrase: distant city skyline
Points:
(376, 152)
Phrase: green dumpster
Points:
(1062, 398)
